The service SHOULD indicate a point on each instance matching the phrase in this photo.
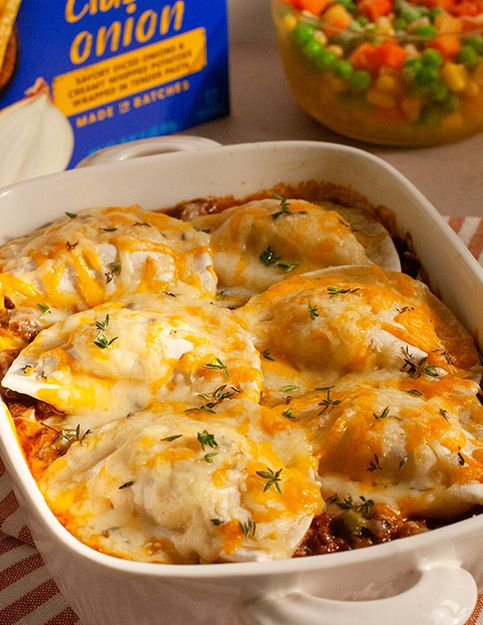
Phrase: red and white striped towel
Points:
(28, 595)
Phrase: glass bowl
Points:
(391, 72)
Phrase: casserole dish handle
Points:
(147, 147)
(444, 594)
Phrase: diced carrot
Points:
(375, 8)
(314, 6)
(447, 24)
(336, 19)
(392, 54)
(366, 56)
(448, 45)
(469, 9)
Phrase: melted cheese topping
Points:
(99, 255)
(320, 326)
(412, 443)
(260, 243)
(118, 358)
(186, 432)
(167, 487)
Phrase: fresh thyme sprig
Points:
(273, 478)
(269, 257)
(284, 208)
(416, 367)
(44, 309)
(382, 415)
(248, 529)
(218, 365)
(334, 291)
(374, 464)
(328, 403)
(289, 414)
(216, 397)
(101, 339)
(313, 310)
(206, 439)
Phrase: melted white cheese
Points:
(171, 486)
(118, 358)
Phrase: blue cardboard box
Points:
(117, 70)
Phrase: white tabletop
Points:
(263, 109)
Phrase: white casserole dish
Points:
(428, 579)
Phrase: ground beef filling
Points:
(352, 529)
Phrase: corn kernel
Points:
(380, 98)
(320, 37)
(290, 21)
(337, 50)
(455, 76)
(384, 26)
(472, 89)
(388, 84)
(453, 121)
(411, 108)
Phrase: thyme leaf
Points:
(328, 403)
(266, 354)
(71, 215)
(334, 291)
(206, 439)
(174, 437)
(374, 464)
(313, 310)
(289, 414)
(126, 485)
(218, 365)
(44, 309)
(381, 415)
(273, 478)
(248, 529)
(416, 367)
(269, 257)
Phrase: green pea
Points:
(410, 13)
(432, 57)
(439, 91)
(303, 33)
(349, 523)
(476, 42)
(343, 68)
(411, 69)
(451, 104)
(312, 49)
(426, 31)
(325, 59)
(468, 56)
(427, 75)
(431, 117)
(434, 12)
(347, 4)
(360, 81)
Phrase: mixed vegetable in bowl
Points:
(386, 71)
